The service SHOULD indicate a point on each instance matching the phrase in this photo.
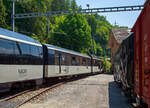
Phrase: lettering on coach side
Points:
(22, 72)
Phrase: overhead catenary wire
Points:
(82, 11)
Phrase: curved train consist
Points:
(25, 61)
(132, 60)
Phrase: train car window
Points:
(63, 59)
(40, 49)
(25, 48)
(8, 51)
(51, 51)
(51, 57)
(93, 62)
(36, 58)
(16, 50)
(84, 62)
(34, 51)
(69, 59)
(73, 61)
(7, 47)
(26, 57)
(89, 62)
(56, 59)
(78, 60)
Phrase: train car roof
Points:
(65, 50)
(131, 35)
(7, 34)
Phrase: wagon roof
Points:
(120, 33)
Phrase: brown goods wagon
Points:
(142, 55)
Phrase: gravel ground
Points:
(97, 91)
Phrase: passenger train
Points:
(25, 61)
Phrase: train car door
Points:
(59, 63)
(63, 64)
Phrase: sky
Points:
(121, 18)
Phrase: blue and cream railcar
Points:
(63, 62)
(21, 59)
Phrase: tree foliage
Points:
(73, 32)
(2, 15)
(100, 32)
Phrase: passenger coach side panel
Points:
(19, 61)
(79, 65)
(63, 64)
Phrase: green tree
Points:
(55, 5)
(92, 22)
(75, 30)
(100, 31)
(74, 5)
(2, 15)
(67, 4)
(35, 27)
(72, 32)
(99, 50)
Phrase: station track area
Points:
(16, 100)
(21, 98)
(98, 91)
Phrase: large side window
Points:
(36, 54)
(74, 61)
(89, 62)
(40, 49)
(57, 59)
(8, 47)
(25, 57)
(8, 51)
(25, 49)
(16, 50)
(34, 50)
(63, 59)
(84, 62)
(51, 57)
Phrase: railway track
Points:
(22, 98)
(11, 97)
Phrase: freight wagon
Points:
(141, 31)
(136, 81)
(124, 65)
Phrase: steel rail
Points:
(54, 86)
(14, 96)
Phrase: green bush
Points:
(107, 65)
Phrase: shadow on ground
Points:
(117, 98)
